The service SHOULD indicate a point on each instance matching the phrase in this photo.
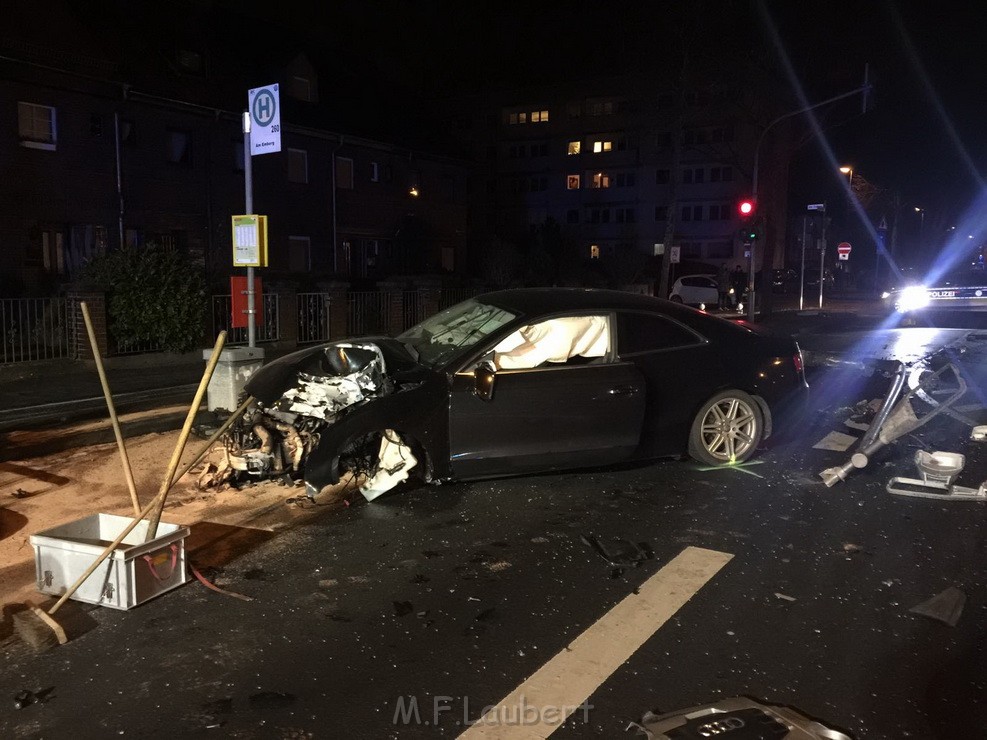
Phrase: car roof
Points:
(546, 300)
(537, 301)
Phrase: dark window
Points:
(661, 213)
(714, 174)
(128, 133)
(492, 152)
(631, 179)
(700, 175)
(572, 216)
(605, 215)
(95, 125)
(179, 146)
(662, 176)
(727, 174)
(697, 213)
(687, 213)
(687, 176)
(639, 332)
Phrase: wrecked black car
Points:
(515, 382)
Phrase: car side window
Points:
(642, 332)
(692, 282)
(565, 340)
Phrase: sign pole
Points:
(822, 260)
(248, 186)
(805, 220)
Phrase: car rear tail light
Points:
(797, 361)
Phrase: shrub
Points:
(154, 295)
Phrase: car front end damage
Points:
(315, 414)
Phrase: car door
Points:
(681, 370)
(584, 412)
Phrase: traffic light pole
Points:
(865, 89)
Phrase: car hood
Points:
(369, 362)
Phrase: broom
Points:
(38, 628)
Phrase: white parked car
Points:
(696, 290)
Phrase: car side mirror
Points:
(483, 381)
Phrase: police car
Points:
(963, 289)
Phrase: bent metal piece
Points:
(898, 422)
(941, 491)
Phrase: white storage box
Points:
(133, 573)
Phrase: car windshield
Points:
(462, 325)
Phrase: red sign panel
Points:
(843, 248)
(238, 290)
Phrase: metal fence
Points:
(34, 329)
(367, 313)
(267, 320)
(313, 318)
(451, 297)
(413, 307)
(118, 347)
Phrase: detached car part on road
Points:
(517, 382)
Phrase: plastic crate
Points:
(135, 571)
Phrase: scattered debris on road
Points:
(946, 606)
(626, 555)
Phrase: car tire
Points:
(727, 430)
(676, 299)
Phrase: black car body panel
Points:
(637, 401)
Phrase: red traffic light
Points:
(746, 207)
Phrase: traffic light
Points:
(746, 208)
(747, 234)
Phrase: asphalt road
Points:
(449, 599)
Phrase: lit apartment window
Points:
(601, 180)
(594, 251)
(522, 117)
(512, 118)
(574, 147)
(572, 182)
(36, 126)
(297, 165)
(602, 146)
(539, 116)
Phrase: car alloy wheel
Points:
(727, 429)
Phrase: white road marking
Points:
(557, 689)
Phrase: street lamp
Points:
(921, 223)
(848, 170)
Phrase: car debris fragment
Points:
(898, 416)
(946, 606)
(736, 717)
